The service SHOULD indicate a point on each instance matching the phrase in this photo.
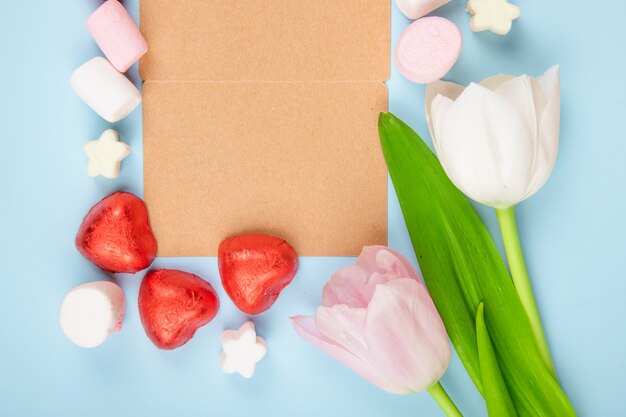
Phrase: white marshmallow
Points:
(494, 15)
(91, 312)
(414, 9)
(106, 154)
(108, 92)
(243, 349)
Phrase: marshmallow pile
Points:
(430, 46)
(102, 85)
(91, 312)
(100, 82)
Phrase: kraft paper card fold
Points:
(261, 116)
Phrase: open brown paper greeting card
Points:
(261, 116)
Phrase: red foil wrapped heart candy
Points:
(116, 236)
(254, 269)
(173, 305)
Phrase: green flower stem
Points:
(513, 249)
(441, 396)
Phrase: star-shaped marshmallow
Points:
(242, 350)
(106, 154)
(494, 15)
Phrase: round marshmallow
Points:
(108, 92)
(414, 9)
(428, 49)
(117, 35)
(91, 312)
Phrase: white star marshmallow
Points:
(242, 350)
(105, 155)
(494, 15)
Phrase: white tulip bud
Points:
(497, 140)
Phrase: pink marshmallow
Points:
(117, 35)
(428, 49)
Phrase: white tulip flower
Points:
(497, 140)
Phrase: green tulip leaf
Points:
(499, 403)
(462, 268)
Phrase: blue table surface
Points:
(573, 232)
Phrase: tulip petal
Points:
(550, 83)
(339, 325)
(439, 108)
(354, 285)
(495, 81)
(548, 130)
(444, 88)
(305, 327)
(527, 96)
(347, 286)
(343, 325)
(386, 262)
(482, 143)
(406, 335)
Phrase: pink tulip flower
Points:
(378, 319)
